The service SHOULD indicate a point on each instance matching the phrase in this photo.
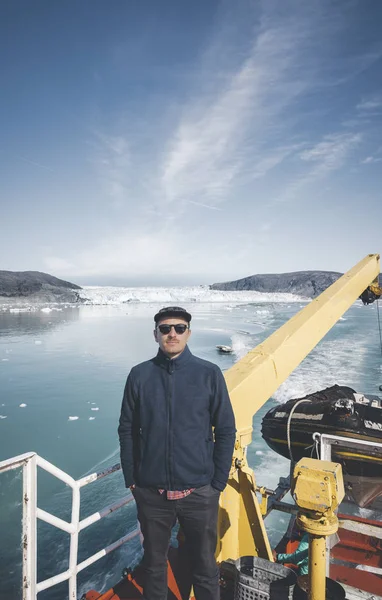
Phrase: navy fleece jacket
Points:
(168, 411)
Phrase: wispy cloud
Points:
(246, 128)
(326, 156)
(139, 254)
(331, 153)
(373, 104)
(113, 160)
(369, 160)
(231, 130)
(36, 164)
(259, 117)
(274, 158)
(208, 150)
(203, 205)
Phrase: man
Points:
(300, 557)
(174, 465)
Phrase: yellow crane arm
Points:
(253, 380)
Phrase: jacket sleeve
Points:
(125, 431)
(222, 418)
(298, 555)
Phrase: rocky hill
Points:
(302, 283)
(36, 287)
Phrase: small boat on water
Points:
(224, 349)
(338, 410)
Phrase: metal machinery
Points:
(251, 382)
(318, 489)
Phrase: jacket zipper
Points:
(170, 444)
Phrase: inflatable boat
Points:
(338, 410)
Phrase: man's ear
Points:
(155, 335)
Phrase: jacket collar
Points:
(173, 363)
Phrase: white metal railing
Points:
(29, 463)
(326, 442)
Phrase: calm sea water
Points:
(62, 375)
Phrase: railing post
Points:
(30, 513)
(74, 543)
(326, 454)
(29, 529)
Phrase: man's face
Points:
(171, 342)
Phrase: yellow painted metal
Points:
(264, 499)
(241, 528)
(317, 567)
(318, 490)
(253, 380)
(318, 485)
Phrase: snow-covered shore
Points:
(171, 295)
(99, 295)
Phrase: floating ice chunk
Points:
(4, 359)
(73, 418)
(38, 342)
(259, 452)
(22, 405)
(3, 417)
(46, 310)
(91, 418)
(95, 408)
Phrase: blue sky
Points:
(172, 142)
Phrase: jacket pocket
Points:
(209, 448)
(190, 460)
(141, 449)
(204, 453)
(207, 453)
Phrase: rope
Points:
(314, 449)
(379, 327)
(288, 426)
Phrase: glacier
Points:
(120, 296)
(170, 295)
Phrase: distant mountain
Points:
(302, 283)
(36, 287)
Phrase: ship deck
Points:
(360, 543)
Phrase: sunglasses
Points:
(179, 328)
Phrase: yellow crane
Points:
(251, 382)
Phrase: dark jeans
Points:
(197, 516)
